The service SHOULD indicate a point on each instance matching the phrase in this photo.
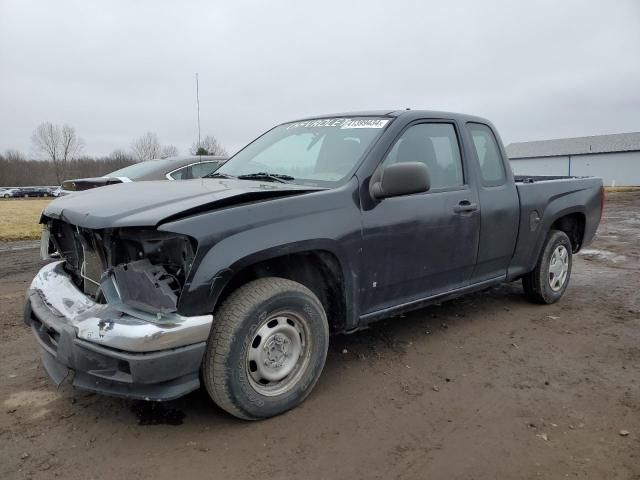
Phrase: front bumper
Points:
(109, 351)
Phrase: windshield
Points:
(312, 152)
(141, 169)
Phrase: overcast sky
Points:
(116, 69)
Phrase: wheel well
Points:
(317, 270)
(573, 226)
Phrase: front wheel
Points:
(548, 281)
(267, 348)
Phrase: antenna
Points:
(198, 104)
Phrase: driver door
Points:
(420, 245)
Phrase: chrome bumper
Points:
(108, 325)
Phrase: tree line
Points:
(58, 152)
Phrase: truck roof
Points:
(400, 113)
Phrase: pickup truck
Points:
(319, 226)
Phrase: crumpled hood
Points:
(141, 204)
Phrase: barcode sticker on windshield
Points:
(364, 123)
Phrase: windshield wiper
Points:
(218, 175)
(274, 177)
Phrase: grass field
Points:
(19, 218)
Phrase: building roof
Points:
(619, 142)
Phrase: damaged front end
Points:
(140, 271)
(108, 311)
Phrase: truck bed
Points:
(544, 198)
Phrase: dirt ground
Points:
(484, 387)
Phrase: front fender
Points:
(222, 277)
(233, 239)
(213, 276)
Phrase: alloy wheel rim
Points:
(558, 268)
(278, 354)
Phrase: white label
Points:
(340, 123)
(364, 123)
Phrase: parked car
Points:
(26, 192)
(38, 192)
(174, 168)
(321, 225)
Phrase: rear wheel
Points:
(267, 348)
(548, 281)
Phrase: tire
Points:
(548, 281)
(270, 327)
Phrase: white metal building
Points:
(615, 158)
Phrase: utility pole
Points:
(198, 104)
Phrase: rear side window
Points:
(182, 174)
(435, 145)
(488, 152)
(199, 170)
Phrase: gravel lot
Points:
(487, 386)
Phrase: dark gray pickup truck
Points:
(320, 225)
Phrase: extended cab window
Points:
(197, 170)
(488, 152)
(435, 145)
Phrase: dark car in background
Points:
(174, 168)
(26, 192)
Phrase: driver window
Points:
(435, 145)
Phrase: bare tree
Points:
(58, 144)
(120, 155)
(120, 158)
(146, 147)
(20, 172)
(169, 151)
(14, 155)
(208, 146)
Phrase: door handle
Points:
(465, 206)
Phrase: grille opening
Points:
(88, 254)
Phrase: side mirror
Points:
(401, 179)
